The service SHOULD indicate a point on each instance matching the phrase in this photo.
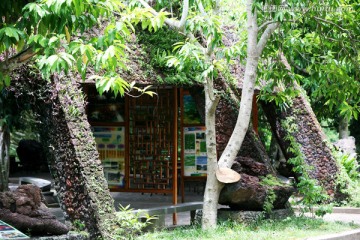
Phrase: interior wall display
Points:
(110, 143)
(151, 141)
(191, 114)
(8, 232)
(195, 157)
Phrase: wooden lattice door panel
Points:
(151, 143)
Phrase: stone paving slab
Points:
(348, 235)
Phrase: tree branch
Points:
(304, 71)
(332, 23)
(265, 24)
(185, 12)
(201, 8)
(179, 25)
(16, 60)
(270, 22)
(266, 35)
(252, 28)
(208, 50)
(217, 6)
(214, 104)
(170, 22)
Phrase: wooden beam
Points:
(127, 143)
(182, 186)
(175, 149)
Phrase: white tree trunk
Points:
(213, 186)
(343, 127)
(254, 51)
(4, 158)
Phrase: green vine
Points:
(347, 179)
(309, 188)
(269, 201)
(269, 181)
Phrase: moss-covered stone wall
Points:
(226, 117)
(73, 158)
(310, 138)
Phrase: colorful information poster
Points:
(110, 143)
(195, 158)
(9, 232)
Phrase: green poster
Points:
(203, 146)
(190, 141)
(189, 160)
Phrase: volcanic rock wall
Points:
(309, 136)
(252, 163)
(252, 147)
(72, 155)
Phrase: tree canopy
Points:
(319, 41)
(70, 35)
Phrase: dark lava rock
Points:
(249, 194)
(24, 209)
(250, 166)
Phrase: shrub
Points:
(125, 225)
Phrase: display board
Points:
(195, 157)
(193, 141)
(111, 147)
(8, 232)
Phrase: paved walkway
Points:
(147, 200)
(193, 193)
(343, 217)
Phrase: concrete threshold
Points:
(348, 235)
(349, 210)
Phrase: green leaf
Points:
(68, 38)
(12, 32)
(20, 45)
(53, 40)
(7, 80)
(52, 60)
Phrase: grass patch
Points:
(288, 229)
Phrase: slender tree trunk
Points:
(254, 51)
(4, 157)
(213, 186)
(343, 127)
(242, 124)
